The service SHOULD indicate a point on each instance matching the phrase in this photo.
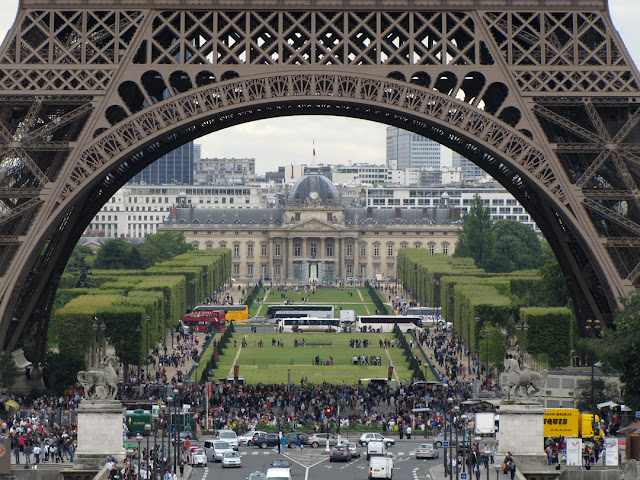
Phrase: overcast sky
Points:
(337, 140)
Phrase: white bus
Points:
(309, 324)
(429, 315)
(386, 323)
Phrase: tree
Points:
(115, 253)
(476, 239)
(163, 246)
(622, 349)
(494, 344)
(553, 288)
(517, 247)
(80, 258)
(603, 391)
(61, 370)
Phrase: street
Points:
(313, 464)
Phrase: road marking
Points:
(254, 453)
(415, 474)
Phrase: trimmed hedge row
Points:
(219, 348)
(414, 366)
(375, 298)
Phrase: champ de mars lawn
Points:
(273, 364)
(348, 298)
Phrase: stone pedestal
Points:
(521, 430)
(99, 434)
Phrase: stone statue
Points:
(103, 382)
(630, 471)
(519, 381)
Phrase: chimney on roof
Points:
(398, 212)
(173, 213)
(369, 212)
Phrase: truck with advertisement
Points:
(570, 423)
(135, 420)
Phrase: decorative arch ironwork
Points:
(543, 97)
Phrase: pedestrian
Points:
(36, 453)
(299, 445)
(283, 444)
(181, 468)
(408, 432)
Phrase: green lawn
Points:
(272, 365)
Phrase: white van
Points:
(228, 436)
(380, 467)
(278, 474)
(375, 448)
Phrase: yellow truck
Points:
(569, 422)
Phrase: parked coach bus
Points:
(309, 324)
(237, 313)
(386, 323)
(320, 311)
(201, 321)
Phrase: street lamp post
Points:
(139, 334)
(147, 428)
(464, 419)
(139, 440)
(166, 460)
(486, 332)
(450, 403)
(593, 329)
(147, 349)
(456, 410)
(175, 453)
(154, 419)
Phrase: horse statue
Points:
(519, 381)
(103, 382)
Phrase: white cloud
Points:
(289, 139)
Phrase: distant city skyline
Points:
(289, 140)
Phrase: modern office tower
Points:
(224, 171)
(470, 172)
(174, 168)
(408, 150)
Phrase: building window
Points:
(277, 249)
(250, 269)
(329, 217)
(263, 249)
(349, 270)
(313, 250)
(277, 270)
(195, 245)
(329, 249)
(250, 250)
(296, 216)
(209, 246)
(390, 250)
(432, 249)
(445, 249)
(376, 250)
(236, 269)
(236, 250)
(297, 249)
(363, 250)
(349, 250)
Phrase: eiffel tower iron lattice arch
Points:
(545, 98)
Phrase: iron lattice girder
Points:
(337, 58)
(609, 214)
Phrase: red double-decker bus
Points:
(201, 321)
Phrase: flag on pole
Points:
(314, 149)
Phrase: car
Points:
(257, 320)
(220, 447)
(318, 439)
(365, 438)
(281, 463)
(257, 476)
(353, 448)
(339, 453)
(278, 474)
(427, 450)
(266, 440)
(444, 437)
(246, 437)
(293, 436)
(228, 436)
(231, 459)
(199, 457)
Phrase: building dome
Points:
(313, 188)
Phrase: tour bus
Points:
(200, 321)
(309, 324)
(430, 315)
(320, 311)
(237, 313)
(386, 323)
